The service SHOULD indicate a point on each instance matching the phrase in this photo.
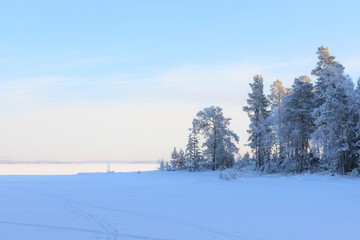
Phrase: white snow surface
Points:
(178, 205)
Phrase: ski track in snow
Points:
(200, 227)
(106, 233)
(109, 230)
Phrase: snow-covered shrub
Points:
(228, 175)
(327, 173)
(169, 167)
(166, 166)
(245, 164)
(205, 166)
(355, 172)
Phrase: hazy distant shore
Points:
(66, 168)
(78, 162)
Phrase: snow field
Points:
(178, 205)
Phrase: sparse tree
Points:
(218, 138)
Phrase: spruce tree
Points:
(174, 159)
(260, 132)
(178, 160)
(193, 153)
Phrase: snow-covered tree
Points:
(178, 160)
(218, 138)
(297, 125)
(335, 126)
(174, 158)
(193, 153)
(357, 119)
(246, 157)
(182, 160)
(305, 78)
(260, 132)
(277, 92)
(162, 165)
(325, 60)
(245, 163)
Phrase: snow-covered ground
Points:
(178, 205)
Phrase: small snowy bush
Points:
(355, 172)
(245, 164)
(228, 175)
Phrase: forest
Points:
(308, 128)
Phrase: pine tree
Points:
(260, 131)
(277, 92)
(304, 78)
(297, 125)
(335, 126)
(219, 139)
(325, 60)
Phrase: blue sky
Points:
(71, 61)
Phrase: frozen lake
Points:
(177, 206)
(158, 205)
(66, 169)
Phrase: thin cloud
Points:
(84, 119)
(203, 83)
